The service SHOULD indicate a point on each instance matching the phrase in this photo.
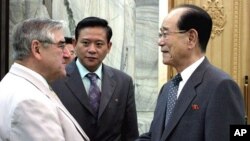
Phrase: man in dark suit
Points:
(113, 118)
(208, 100)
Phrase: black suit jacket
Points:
(208, 104)
(117, 119)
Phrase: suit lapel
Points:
(51, 94)
(108, 87)
(161, 113)
(182, 104)
(187, 95)
(45, 89)
(75, 84)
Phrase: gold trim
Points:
(236, 40)
(216, 11)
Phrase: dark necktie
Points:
(172, 96)
(94, 92)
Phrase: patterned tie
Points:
(94, 92)
(172, 96)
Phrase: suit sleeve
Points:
(35, 121)
(225, 108)
(130, 127)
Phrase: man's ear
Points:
(109, 46)
(36, 49)
(192, 37)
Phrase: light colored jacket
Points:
(31, 111)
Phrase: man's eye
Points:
(85, 43)
(163, 34)
(99, 44)
(160, 35)
(61, 45)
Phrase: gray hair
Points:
(33, 29)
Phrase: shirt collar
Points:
(29, 73)
(186, 73)
(83, 71)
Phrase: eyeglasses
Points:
(165, 33)
(60, 44)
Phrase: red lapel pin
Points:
(195, 107)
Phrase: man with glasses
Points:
(29, 109)
(201, 101)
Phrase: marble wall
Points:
(146, 60)
(134, 51)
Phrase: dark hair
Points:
(94, 22)
(68, 40)
(198, 19)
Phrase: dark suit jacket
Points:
(208, 104)
(117, 119)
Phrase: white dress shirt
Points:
(186, 73)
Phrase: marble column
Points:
(146, 60)
(24, 9)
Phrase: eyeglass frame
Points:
(164, 32)
(60, 44)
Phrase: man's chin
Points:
(167, 61)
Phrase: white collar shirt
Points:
(186, 73)
(83, 72)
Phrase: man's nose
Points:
(161, 42)
(66, 52)
(92, 48)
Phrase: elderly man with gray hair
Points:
(29, 109)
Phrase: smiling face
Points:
(174, 42)
(92, 47)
